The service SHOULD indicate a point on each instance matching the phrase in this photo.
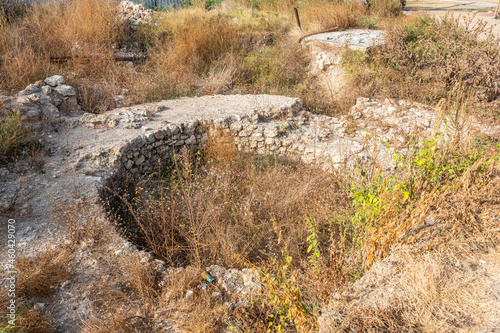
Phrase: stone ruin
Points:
(122, 144)
(49, 98)
(116, 148)
(135, 14)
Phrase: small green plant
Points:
(283, 292)
(385, 201)
(14, 136)
(312, 240)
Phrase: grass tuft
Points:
(14, 136)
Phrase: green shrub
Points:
(425, 59)
(14, 136)
(391, 205)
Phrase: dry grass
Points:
(251, 55)
(201, 311)
(29, 320)
(228, 209)
(439, 291)
(425, 59)
(39, 276)
(443, 296)
(83, 222)
(328, 14)
(253, 50)
(37, 280)
(124, 301)
(51, 30)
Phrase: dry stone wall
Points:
(49, 98)
(370, 134)
(125, 143)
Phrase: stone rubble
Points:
(135, 14)
(236, 282)
(49, 98)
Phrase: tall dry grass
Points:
(329, 14)
(425, 59)
(252, 51)
(37, 280)
(227, 208)
(81, 32)
(439, 291)
(249, 55)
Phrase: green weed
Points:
(14, 136)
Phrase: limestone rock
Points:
(47, 90)
(355, 39)
(54, 80)
(30, 89)
(65, 90)
(38, 99)
(236, 282)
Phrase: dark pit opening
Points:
(219, 205)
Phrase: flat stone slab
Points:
(356, 39)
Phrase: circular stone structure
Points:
(92, 152)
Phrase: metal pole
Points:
(496, 10)
(319, 32)
(298, 19)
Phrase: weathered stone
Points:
(4, 172)
(65, 90)
(30, 89)
(271, 132)
(269, 141)
(54, 81)
(150, 137)
(159, 135)
(47, 90)
(236, 282)
(190, 140)
(129, 164)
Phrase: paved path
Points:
(454, 5)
